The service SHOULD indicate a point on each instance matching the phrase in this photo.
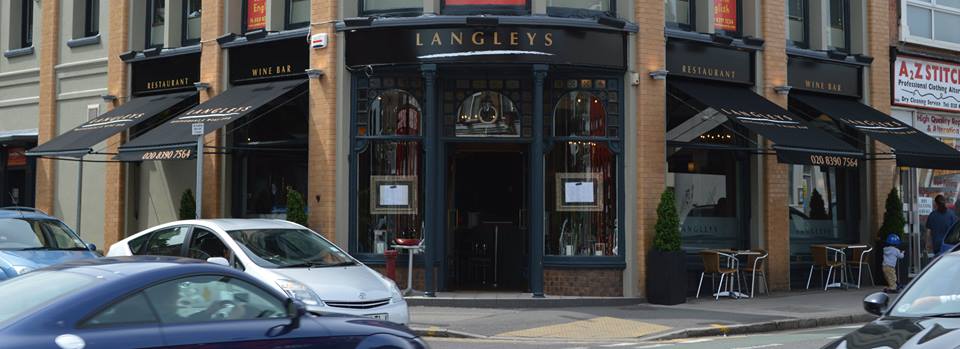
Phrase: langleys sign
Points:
(926, 84)
(503, 44)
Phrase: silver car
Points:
(285, 255)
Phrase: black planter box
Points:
(666, 277)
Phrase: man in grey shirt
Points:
(938, 224)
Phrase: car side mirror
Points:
(876, 303)
(92, 247)
(219, 260)
(295, 310)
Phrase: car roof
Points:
(229, 224)
(29, 213)
(123, 266)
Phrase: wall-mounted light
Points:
(315, 73)
(126, 56)
(482, 21)
(201, 86)
(838, 55)
(721, 38)
(782, 90)
(659, 74)
(225, 38)
(862, 58)
(151, 52)
(691, 166)
(108, 98)
(358, 21)
(256, 34)
(611, 22)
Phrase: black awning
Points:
(795, 140)
(80, 140)
(912, 147)
(174, 140)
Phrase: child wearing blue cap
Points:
(891, 253)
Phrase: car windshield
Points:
(289, 248)
(24, 294)
(37, 234)
(935, 293)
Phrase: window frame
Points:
(184, 17)
(933, 7)
(26, 23)
(691, 15)
(805, 44)
(485, 9)
(148, 24)
(847, 28)
(91, 19)
(287, 25)
(561, 11)
(399, 11)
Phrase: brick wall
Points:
(775, 187)
(114, 196)
(322, 168)
(49, 52)
(884, 174)
(583, 282)
(651, 127)
(211, 70)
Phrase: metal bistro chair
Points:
(711, 265)
(822, 260)
(754, 267)
(858, 261)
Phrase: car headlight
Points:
(395, 295)
(20, 269)
(300, 292)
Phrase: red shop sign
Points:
(256, 14)
(16, 157)
(487, 2)
(725, 14)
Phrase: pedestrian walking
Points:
(938, 223)
(891, 254)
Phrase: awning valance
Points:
(80, 140)
(912, 147)
(795, 140)
(174, 140)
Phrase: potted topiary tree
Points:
(188, 207)
(295, 207)
(666, 262)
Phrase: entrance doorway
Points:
(487, 238)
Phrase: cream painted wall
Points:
(71, 113)
(161, 183)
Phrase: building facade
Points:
(19, 101)
(526, 142)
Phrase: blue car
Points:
(30, 240)
(170, 302)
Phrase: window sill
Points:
(86, 41)
(26, 51)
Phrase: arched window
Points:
(488, 114)
(396, 113)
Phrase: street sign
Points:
(196, 129)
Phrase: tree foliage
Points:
(296, 211)
(667, 238)
(188, 205)
(893, 220)
(818, 209)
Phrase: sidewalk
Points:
(697, 318)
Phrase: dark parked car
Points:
(925, 315)
(31, 239)
(150, 302)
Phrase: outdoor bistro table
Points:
(841, 252)
(411, 250)
(736, 254)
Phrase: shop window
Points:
(933, 22)
(839, 26)
(515, 7)
(192, 12)
(581, 180)
(798, 22)
(413, 7)
(26, 23)
(488, 114)
(679, 14)
(389, 163)
(156, 18)
(726, 17)
(580, 8)
(931, 183)
(709, 192)
(297, 14)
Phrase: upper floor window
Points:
(486, 6)
(932, 22)
(192, 12)
(797, 23)
(579, 8)
(297, 15)
(678, 14)
(155, 20)
(26, 23)
(839, 36)
(91, 18)
(368, 7)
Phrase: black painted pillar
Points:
(536, 184)
(431, 138)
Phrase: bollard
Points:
(391, 257)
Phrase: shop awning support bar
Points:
(79, 193)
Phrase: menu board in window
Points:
(256, 14)
(725, 15)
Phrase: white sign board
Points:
(926, 84)
(319, 40)
(942, 126)
(578, 192)
(394, 195)
(196, 129)
(924, 205)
